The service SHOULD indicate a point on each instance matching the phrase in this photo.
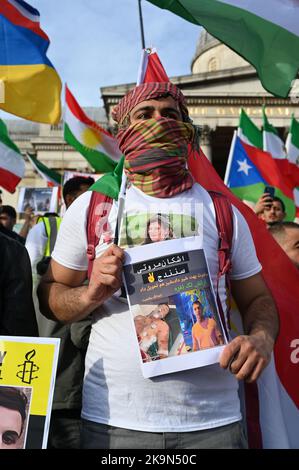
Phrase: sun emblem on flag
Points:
(91, 138)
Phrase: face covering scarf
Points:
(156, 151)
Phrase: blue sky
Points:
(97, 43)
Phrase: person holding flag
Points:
(191, 409)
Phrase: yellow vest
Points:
(51, 225)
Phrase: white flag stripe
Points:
(274, 145)
(292, 150)
(273, 425)
(243, 137)
(24, 11)
(11, 161)
(142, 67)
(282, 13)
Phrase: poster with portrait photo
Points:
(145, 228)
(27, 373)
(174, 311)
(41, 200)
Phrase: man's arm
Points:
(27, 223)
(216, 333)
(264, 201)
(63, 297)
(247, 355)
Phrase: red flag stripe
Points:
(16, 17)
(154, 71)
(9, 180)
(269, 169)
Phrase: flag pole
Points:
(230, 158)
(141, 25)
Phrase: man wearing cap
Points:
(197, 408)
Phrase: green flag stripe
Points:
(267, 126)
(5, 138)
(110, 183)
(295, 132)
(250, 130)
(98, 160)
(54, 175)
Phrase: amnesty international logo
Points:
(28, 368)
(30, 362)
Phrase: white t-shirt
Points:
(115, 391)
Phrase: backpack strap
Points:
(225, 227)
(97, 223)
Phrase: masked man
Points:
(197, 408)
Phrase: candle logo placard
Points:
(28, 368)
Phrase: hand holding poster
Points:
(27, 379)
(173, 306)
(41, 200)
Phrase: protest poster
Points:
(27, 378)
(41, 200)
(173, 306)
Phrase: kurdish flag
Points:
(249, 132)
(249, 170)
(12, 165)
(51, 176)
(30, 85)
(265, 33)
(93, 142)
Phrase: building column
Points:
(205, 142)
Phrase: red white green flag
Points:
(292, 147)
(12, 164)
(52, 177)
(276, 147)
(265, 33)
(249, 132)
